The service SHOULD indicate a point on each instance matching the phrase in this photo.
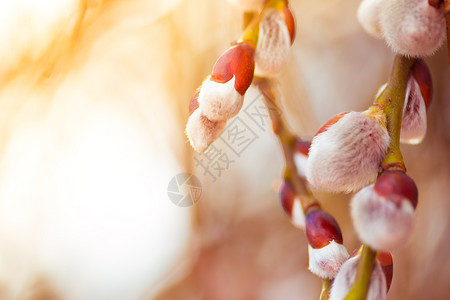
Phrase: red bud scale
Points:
(237, 61)
(321, 229)
(396, 183)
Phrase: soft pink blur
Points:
(94, 97)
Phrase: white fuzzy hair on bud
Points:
(297, 215)
(219, 101)
(346, 276)
(248, 5)
(300, 162)
(347, 156)
(380, 223)
(414, 120)
(369, 17)
(274, 42)
(413, 28)
(201, 131)
(326, 261)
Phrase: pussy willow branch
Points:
(287, 141)
(391, 101)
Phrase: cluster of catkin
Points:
(346, 155)
(262, 50)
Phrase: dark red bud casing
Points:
(290, 22)
(387, 264)
(238, 61)
(321, 228)
(287, 197)
(422, 75)
(392, 184)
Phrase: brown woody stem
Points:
(287, 141)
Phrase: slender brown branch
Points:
(287, 142)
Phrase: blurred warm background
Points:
(93, 101)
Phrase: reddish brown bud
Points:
(435, 3)
(387, 264)
(287, 196)
(237, 61)
(392, 184)
(302, 146)
(321, 229)
(330, 122)
(193, 105)
(290, 22)
(422, 75)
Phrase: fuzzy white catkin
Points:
(369, 17)
(414, 119)
(379, 223)
(347, 156)
(326, 261)
(274, 42)
(248, 5)
(219, 101)
(412, 27)
(346, 276)
(202, 132)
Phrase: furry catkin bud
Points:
(274, 42)
(346, 277)
(346, 153)
(201, 131)
(301, 156)
(248, 5)
(222, 94)
(291, 205)
(369, 17)
(383, 223)
(418, 96)
(325, 262)
(219, 101)
(413, 27)
(326, 252)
